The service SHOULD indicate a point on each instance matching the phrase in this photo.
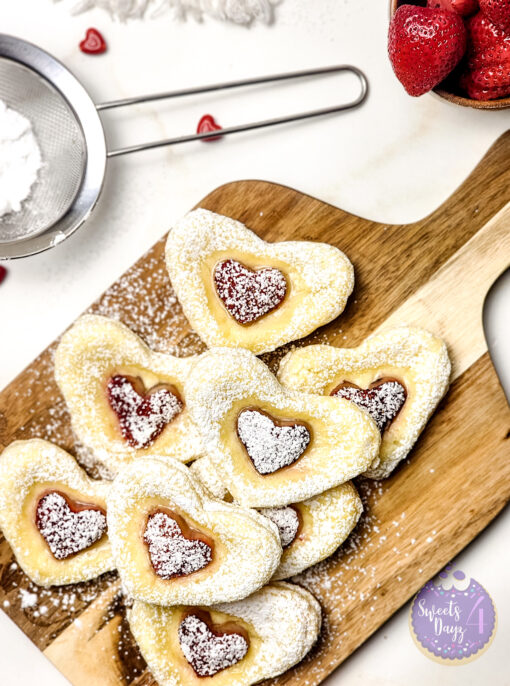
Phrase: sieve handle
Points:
(239, 84)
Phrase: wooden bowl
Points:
(441, 90)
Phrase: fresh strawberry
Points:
(462, 7)
(424, 45)
(498, 11)
(487, 72)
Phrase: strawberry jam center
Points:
(142, 415)
(68, 526)
(210, 648)
(246, 294)
(383, 400)
(271, 444)
(175, 549)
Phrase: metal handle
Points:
(239, 84)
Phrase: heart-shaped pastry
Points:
(93, 43)
(310, 530)
(68, 527)
(175, 550)
(383, 399)
(207, 124)
(212, 552)
(232, 644)
(52, 514)
(237, 290)
(398, 376)
(125, 400)
(270, 446)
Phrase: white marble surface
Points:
(394, 160)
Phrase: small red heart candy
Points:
(3, 273)
(94, 43)
(207, 124)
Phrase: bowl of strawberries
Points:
(460, 49)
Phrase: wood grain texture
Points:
(460, 286)
(434, 272)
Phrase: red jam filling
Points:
(175, 549)
(68, 526)
(383, 399)
(210, 648)
(271, 444)
(142, 414)
(246, 294)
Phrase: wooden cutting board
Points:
(434, 273)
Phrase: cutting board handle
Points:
(451, 303)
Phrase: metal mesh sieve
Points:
(62, 146)
(71, 137)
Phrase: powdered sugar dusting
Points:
(284, 618)
(144, 301)
(383, 402)
(171, 553)
(72, 515)
(248, 295)
(206, 652)
(413, 355)
(320, 278)
(98, 356)
(249, 543)
(345, 439)
(269, 446)
(242, 12)
(67, 532)
(141, 418)
(325, 521)
(27, 599)
(287, 521)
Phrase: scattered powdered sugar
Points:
(20, 159)
(141, 418)
(27, 599)
(383, 402)
(269, 446)
(58, 605)
(287, 521)
(171, 553)
(67, 532)
(237, 11)
(207, 652)
(143, 300)
(248, 295)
